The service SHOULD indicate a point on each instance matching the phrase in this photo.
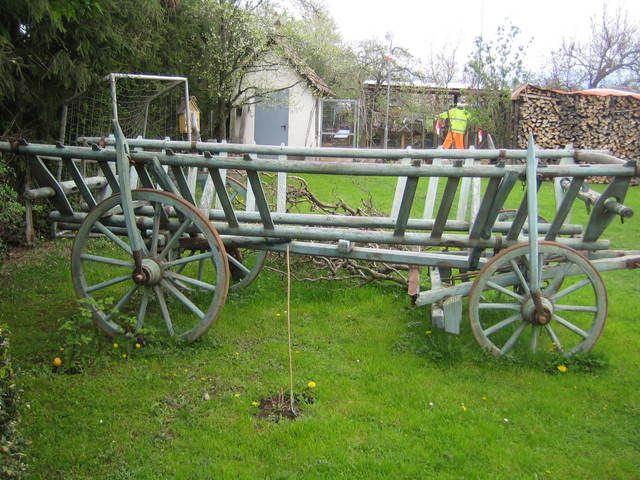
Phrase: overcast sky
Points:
(425, 25)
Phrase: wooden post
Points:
(30, 235)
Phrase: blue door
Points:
(272, 119)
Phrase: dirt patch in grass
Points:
(279, 406)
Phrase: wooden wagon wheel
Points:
(572, 310)
(169, 288)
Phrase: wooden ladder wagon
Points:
(156, 252)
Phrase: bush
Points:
(11, 210)
(11, 445)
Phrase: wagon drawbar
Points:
(161, 252)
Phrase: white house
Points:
(291, 112)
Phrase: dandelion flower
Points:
(236, 395)
(254, 403)
(464, 407)
(138, 345)
(124, 355)
(115, 345)
(428, 332)
(311, 384)
(562, 368)
(57, 362)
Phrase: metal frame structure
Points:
(168, 242)
(354, 125)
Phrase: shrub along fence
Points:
(11, 457)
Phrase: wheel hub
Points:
(150, 273)
(531, 314)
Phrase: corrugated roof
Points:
(601, 92)
(305, 71)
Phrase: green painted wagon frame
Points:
(517, 270)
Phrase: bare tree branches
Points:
(611, 56)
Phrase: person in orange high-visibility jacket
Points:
(458, 118)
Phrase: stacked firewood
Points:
(586, 121)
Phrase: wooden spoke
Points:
(108, 283)
(121, 303)
(570, 326)
(504, 290)
(576, 286)
(164, 311)
(499, 306)
(155, 232)
(182, 298)
(518, 272)
(175, 237)
(201, 266)
(142, 310)
(185, 260)
(106, 260)
(557, 280)
(238, 264)
(535, 335)
(192, 281)
(500, 325)
(575, 308)
(513, 338)
(113, 237)
(554, 337)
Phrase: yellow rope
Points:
(289, 331)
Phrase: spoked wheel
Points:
(177, 289)
(244, 264)
(568, 316)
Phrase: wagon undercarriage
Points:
(161, 251)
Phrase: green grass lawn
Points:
(394, 398)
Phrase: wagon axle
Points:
(149, 274)
(539, 314)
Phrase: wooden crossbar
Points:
(45, 179)
(223, 197)
(182, 184)
(80, 183)
(565, 207)
(260, 198)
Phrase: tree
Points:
(493, 70)
(441, 67)
(50, 50)
(611, 55)
(315, 37)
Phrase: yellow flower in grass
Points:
(236, 395)
(138, 345)
(255, 404)
(464, 408)
(563, 368)
(124, 355)
(311, 384)
(57, 362)
(115, 345)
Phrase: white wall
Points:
(303, 107)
